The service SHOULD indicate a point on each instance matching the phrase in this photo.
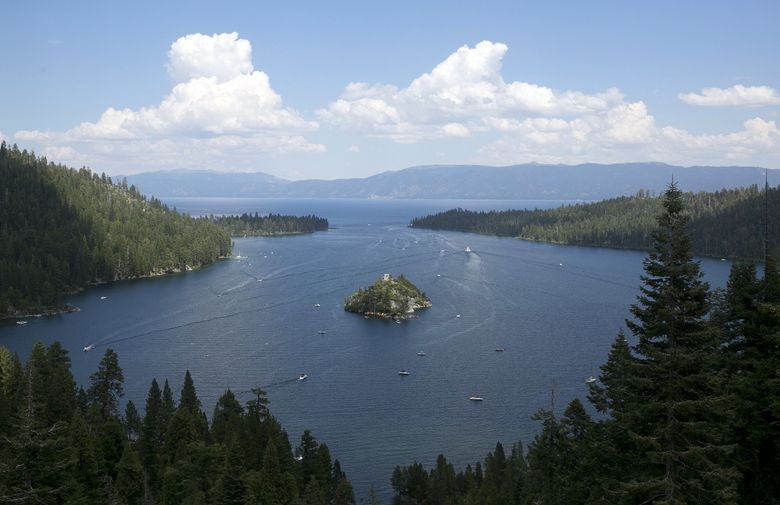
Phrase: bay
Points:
(254, 321)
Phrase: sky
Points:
(348, 89)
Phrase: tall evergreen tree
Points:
(674, 395)
(106, 386)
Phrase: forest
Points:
(253, 225)
(62, 229)
(62, 444)
(724, 223)
(688, 406)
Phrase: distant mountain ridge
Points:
(588, 181)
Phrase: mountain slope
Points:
(62, 229)
(727, 223)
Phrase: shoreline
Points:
(68, 309)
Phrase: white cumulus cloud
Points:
(218, 100)
(735, 96)
(223, 56)
(454, 99)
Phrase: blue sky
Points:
(343, 89)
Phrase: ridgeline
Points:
(724, 224)
(63, 229)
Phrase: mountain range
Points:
(589, 181)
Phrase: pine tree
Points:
(129, 481)
(271, 485)
(674, 397)
(751, 322)
(106, 386)
(133, 421)
(151, 431)
(228, 414)
(189, 398)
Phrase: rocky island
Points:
(388, 298)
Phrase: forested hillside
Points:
(689, 406)
(60, 444)
(251, 225)
(727, 223)
(62, 229)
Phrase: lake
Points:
(253, 321)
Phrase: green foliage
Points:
(62, 229)
(723, 224)
(689, 414)
(253, 225)
(392, 298)
(183, 460)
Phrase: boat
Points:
(421, 353)
(21, 322)
(499, 349)
(397, 321)
(468, 249)
(322, 332)
(475, 398)
(457, 315)
(103, 297)
(590, 380)
(303, 376)
(438, 275)
(317, 305)
(298, 458)
(89, 347)
(403, 372)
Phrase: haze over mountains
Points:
(588, 181)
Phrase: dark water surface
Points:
(253, 321)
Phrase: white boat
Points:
(317, 305)
(298, 458)
(438, 275)
(421, 353)
(303, 376)
(475, 398)
(468, 249)
(590, 380)
(89, 347)
(457, 315)
(499, 349)
(322, 332)
(403, 372)
(21, 322)
(103, 297)
(397, 321)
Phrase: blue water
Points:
(247, 322)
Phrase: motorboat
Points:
(468, 249)
(103, 297)
(317, 305)
(21, 322)
(322, 332)
(89, 347)
(403, 372)
(590, 380)
(303, 376)
(421, 353)
(475, 398)
(499, 349)
(457, 315)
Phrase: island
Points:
(388, 298)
